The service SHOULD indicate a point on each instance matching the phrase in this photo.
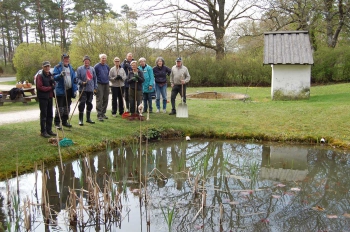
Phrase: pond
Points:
(196, 185)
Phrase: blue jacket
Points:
(149, 78)
(81, 77)
(160, 73)
(60, 88)
(102, 73)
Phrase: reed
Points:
(169, 216)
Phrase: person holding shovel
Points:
(66, 88)
(179, 77)
(45, 85)
(135, 80)
(117, 77)
(127, 68)
(87, 81)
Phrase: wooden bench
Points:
(19, 98)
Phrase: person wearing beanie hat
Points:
(102, 73)
(87, 82)
(86, 58)
(179, 77)
(160, 76)
(45, 85)
(66, 88)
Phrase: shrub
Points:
(28, 59)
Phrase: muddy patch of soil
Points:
(216, 95)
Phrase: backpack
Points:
(14, 93)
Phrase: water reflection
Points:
(211, 186)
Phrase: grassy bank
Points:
(325, 114)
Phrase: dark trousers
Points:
(46, 114)
(63, 107)
(86, 98)
(174, 91)
(147, 102)
(117, 99)
(133, 101)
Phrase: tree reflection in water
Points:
(225, 172)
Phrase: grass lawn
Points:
(325, 115)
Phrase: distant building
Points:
(290, 55)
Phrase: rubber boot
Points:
(81, 118)
(88, 119)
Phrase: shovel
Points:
(126, 111)
(182, 111)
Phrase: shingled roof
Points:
(287, 47)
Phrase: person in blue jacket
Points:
(147, 85)
(87, 81)
(102, 95)
(160, 74)
(66, 88)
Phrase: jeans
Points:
(161, 90)
(147, 102)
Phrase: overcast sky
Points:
(117, 4)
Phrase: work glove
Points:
(95, 92)
(84, 83)
(63, 74)
(127, 65)
(134, 79)
(119, 77)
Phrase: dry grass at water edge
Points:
(325, 115)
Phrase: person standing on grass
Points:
(179, 77)
(66, 88)
(45, 85)
(87, 81)
(147, 85)
(102, 73)
(127, 68)
(135, 80)
(160, 74)
(117, 77)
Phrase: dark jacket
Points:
(138, 83)
(45, 85)
(60, 88)
(127, 68)
(160, 73)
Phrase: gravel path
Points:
(33, 114)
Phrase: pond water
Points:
(190, 186)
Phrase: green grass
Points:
(325, 114)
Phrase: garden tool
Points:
(182, 111)
(65, 142)
(126, 111)
(82, 91)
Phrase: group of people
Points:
(131, 83)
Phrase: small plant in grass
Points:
(169, 216)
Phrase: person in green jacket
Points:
(147, 85)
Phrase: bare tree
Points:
(196, 22)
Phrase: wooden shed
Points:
(290, 55)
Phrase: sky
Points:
(116, 4)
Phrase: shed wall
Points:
(290, 82)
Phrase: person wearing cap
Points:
(45, 86)
(160, 75)
(135, 80)
(179, 77)
(117, 77)
(147, 85)
(66, 88)
(87, 81)
(127, 68)
(102, 73)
